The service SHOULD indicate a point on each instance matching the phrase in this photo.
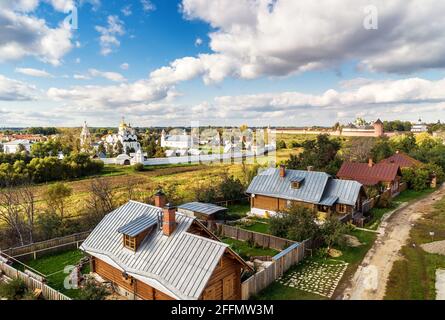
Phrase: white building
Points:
(85, 136)
(14, 146)
(419, 127)
(126, 135)
(178, 141)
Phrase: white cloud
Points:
(126, 11)
(148, 6)
(125, 66)
(278, 38)
(81, 77)
(108, 35)
(24, 35)
(112, 76)
(33, 72)
(198, 42)
(13, 90)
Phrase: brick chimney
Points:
(282, 170)
(370, 163)
(160, 199)
(169, 220)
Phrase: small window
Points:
(130, 242)
(342, 208)
(296, 185)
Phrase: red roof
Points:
(402, 160)
(368, 175)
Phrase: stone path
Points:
(440, 284)
(316, 277)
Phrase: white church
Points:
(126, 135)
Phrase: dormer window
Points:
(134, 232)
(297, 182)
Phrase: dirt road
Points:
(369, 281)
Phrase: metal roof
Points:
(135, 227)
(403, 160)
(318, 187)
(269, 183)
(346, 191)
(204, 208)
(179, 265)
(368, 175)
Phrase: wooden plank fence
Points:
(281, 263)
(47, 292)
(33, 251)
(259, 239)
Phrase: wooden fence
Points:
(33, 251)
(281, 263)
(259, 239)
(47, 292)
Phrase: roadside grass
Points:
(53, 266)
(245, 250)
(258, 227)
(405, 196)
(413, 277)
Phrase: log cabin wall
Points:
(132, 286)
(225, 283)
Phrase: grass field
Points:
(405, 196)
(52, 266)
(246, 251)
(413, 277)
(237, 211)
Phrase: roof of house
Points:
(316, 187)
(204, 208)
(402, 160)
(369, 175)
(179, 265)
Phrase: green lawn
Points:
(413, 278)
(351, 255)
(258, 227)
(237, 211)
(53, 267)
(246, 251)
(405, 196)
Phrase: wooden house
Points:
(150, 253)
(275, 190)
(385, 176)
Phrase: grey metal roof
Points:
(347, 191)
(182, 263)
(204, 208)
(135, 227)
(317, 188)
(269, 183)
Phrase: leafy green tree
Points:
(231, 188)
(281, 145)
(56, 196)
(404, 142)
(93, 291)
(297, 223)
(382, 149)
(13, 290)
(332, 232)
(119, 148)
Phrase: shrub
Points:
(138, 167)
(13, 290)
(93, 291)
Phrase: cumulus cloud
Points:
(112, 76)
(13, 90)
(278, 38)
(126, 11)
(109, 34)
(148, 6)
(22, 35)
(125, 66)
(33, 72)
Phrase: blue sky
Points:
(258, 62)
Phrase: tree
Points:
(358, 149)
(28, 206)
(321, 154)
(101, 200)
(382, 149)
(13, 290)
(297, 223)
(281, 145)
(404, 142)
(56, 196)
(205, 193)
(332, 231)
(10, 213)
(231, 188)
(119, 148)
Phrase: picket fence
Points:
(47, 292)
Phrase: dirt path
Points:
(369, 281)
